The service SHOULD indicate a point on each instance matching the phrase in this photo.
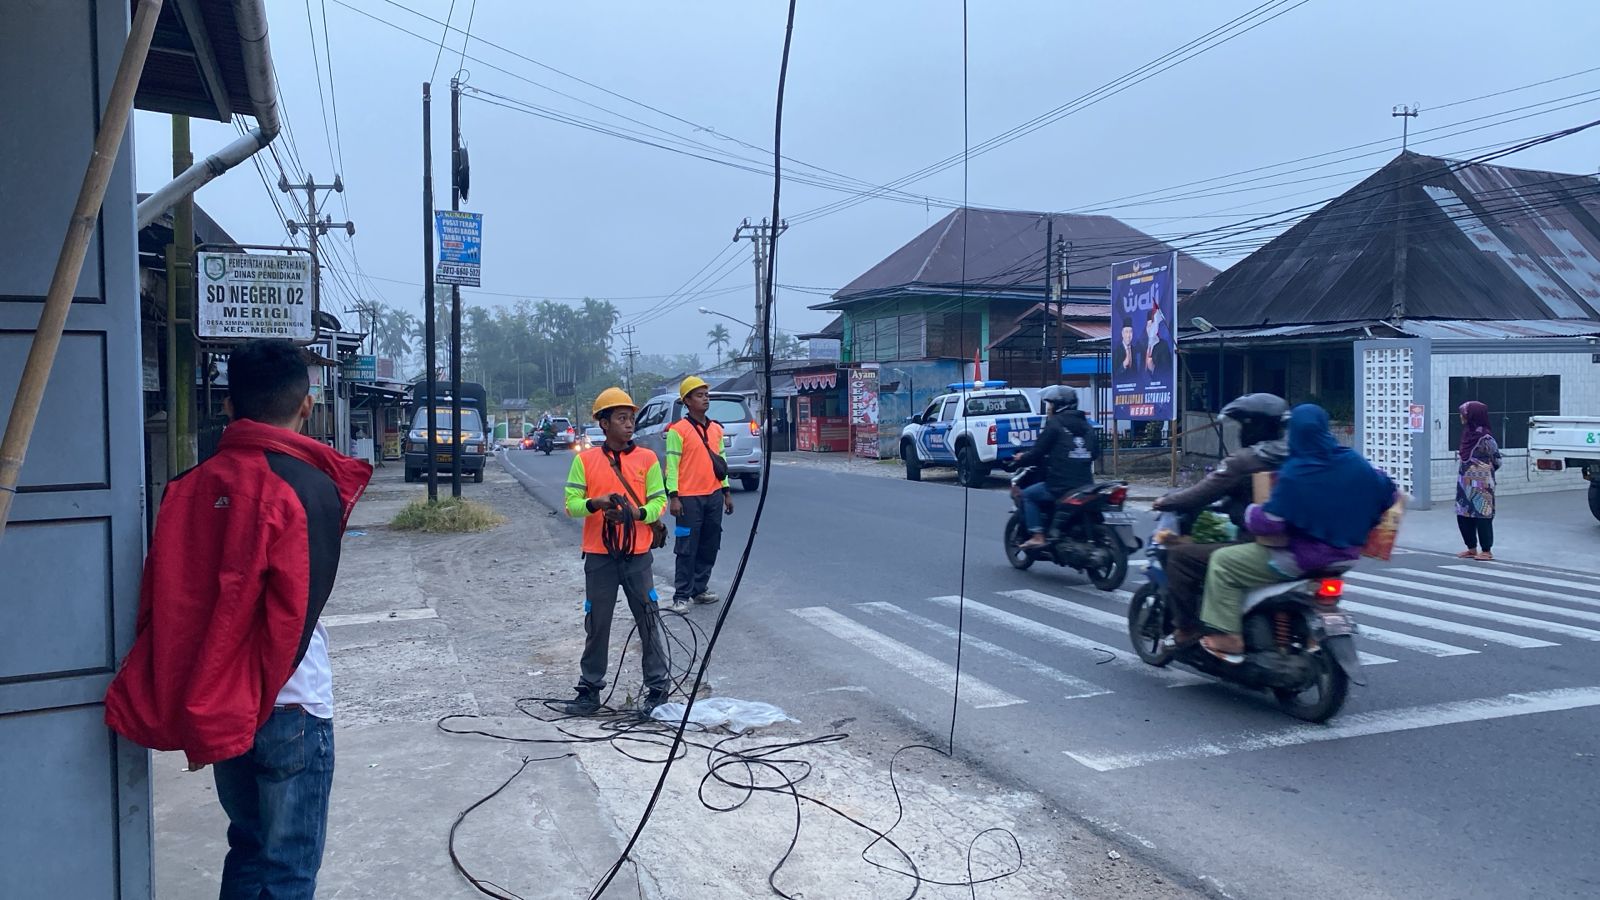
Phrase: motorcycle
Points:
(544, 443)
(1298, 643)
(1088, 531)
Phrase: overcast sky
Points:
(874, 94)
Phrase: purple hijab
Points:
(1477, 428)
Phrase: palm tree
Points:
(719, 339)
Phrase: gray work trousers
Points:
(602, 576)
(699, 532)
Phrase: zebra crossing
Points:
(1074, 639)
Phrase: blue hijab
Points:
(1327, 491)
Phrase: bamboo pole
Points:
(58, 302)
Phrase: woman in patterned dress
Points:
(1479, 458)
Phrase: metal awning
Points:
(196, 65)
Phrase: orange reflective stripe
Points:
(602, 481)
(696, 477)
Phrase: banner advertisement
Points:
(255, 295)
(864, 412)
(1144, 347)
(460, 237)
(362, 367)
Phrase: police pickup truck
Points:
(974, 427)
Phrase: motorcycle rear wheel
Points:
(1018, 557)
(1148, 626)
(1327, 692)
(1108, 577)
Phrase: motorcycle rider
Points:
(1066, 449)
(1263, 449)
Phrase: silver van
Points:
(741, 432)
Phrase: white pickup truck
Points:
(974, 427)
(1568, 442)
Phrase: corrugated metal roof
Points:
(1482, 242)
(172, 80)
(1481, 330)
(1005, 252)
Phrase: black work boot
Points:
(587, 703)
(653, 699)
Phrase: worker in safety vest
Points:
(698, 493)
(616, 490)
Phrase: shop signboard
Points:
(1144, 352)
(864, 411)
(361, 367)
(460, 237)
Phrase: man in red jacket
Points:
(229, 661)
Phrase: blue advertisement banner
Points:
(460, 237)
(1144, 346)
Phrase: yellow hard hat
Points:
(611, 398)
(691, 384)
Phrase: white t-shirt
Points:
(311, 685)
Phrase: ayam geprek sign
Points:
(1144, 346)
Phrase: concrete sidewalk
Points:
(1554, 529)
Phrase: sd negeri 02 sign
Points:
(255, 295)
(460, 247)
(1144, 347)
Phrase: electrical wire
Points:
(437, 56)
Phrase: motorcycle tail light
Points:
(1330, 590)
(1118, 496)
(992, 438)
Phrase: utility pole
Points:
(761, 238)
(430, 414)
(1405, 114)
(316, 228)
(455, 298)
(630, 354)
(1044, 308)
(182, 452)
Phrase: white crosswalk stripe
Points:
(1412, 642)
(913, 662)
(1062, 638)
(1077, 688)
(1513, 603)
(1588, 634)
(1482, 634)
(1533, 579)
(1514, 588)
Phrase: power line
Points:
(447, 19)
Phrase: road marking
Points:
(1359, 725)
(1535, 579)
(1532, 592)
(915, 663)
(1077, 686)
(1412, 642)
(1528, 605)
(1482, 634)
(1112, 620)
(390, 615)
(1588, 634)
(1051, 635)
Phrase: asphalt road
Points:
(1466, 768)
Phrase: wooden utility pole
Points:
(181, 450)
(761, 238)
(456, 431)
(1045, 375)
(69, 264)
(428, 336)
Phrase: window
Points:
(470, 420)
(932, 412)
(650, 415)
(727, 410)
(1003, 405)
(1511, 402)
(949, 412)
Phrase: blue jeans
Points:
(1036, 501)
(276, 798)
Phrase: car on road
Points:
(974, 427)
(592, 437)
(566, 435)
(741, 432)
(1568, 442)
(470, 436)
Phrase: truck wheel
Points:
(411, 476)
(908, 455)
(970, 470)
(1594, 498)
(477, 477)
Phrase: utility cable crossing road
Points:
(1465, 768)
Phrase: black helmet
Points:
(1260, 417)
(1059, 396)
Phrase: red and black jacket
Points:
(243, 559)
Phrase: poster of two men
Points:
(1144, 355)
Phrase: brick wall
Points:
(1580, 395)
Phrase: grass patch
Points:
(452, 515)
